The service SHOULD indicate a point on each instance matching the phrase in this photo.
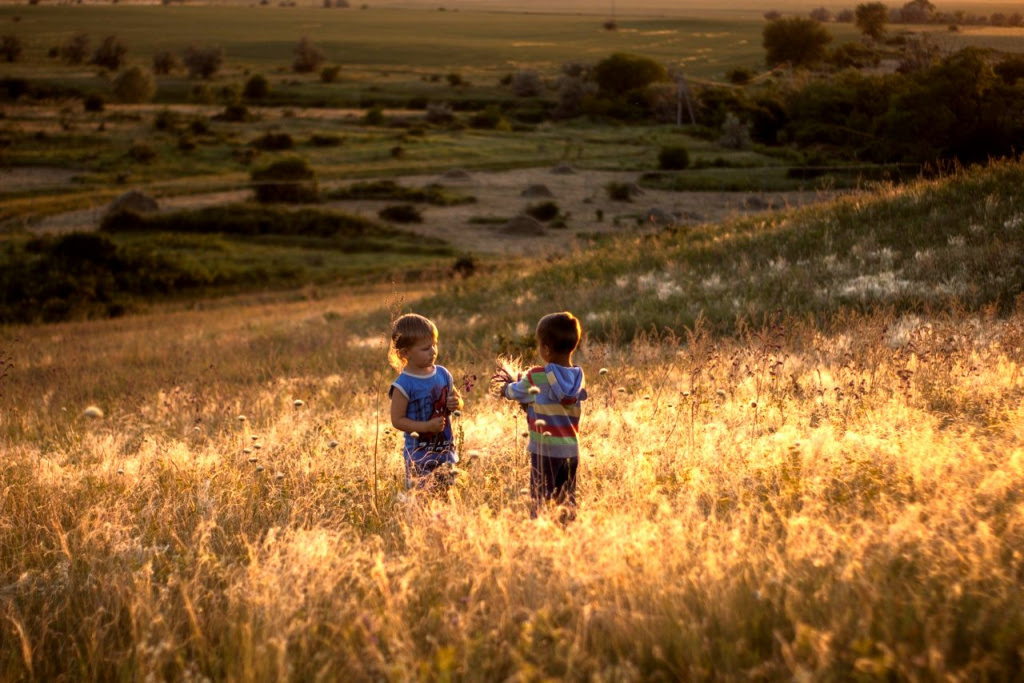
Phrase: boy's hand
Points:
(454, 400)
(435, 424)
(499, 380)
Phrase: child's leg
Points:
(542, 481)
(565, 487)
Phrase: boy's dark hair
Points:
(560, 332)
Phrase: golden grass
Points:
(790, 502)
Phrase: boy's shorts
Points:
(553, 479)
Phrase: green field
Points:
(401, 43)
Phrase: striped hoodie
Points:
(552, 395)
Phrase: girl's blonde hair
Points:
(406, 331)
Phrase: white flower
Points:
(93, 412)
(540, 423)
(298, 403)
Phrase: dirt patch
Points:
(33, 178)
(477, 227)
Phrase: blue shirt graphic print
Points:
(428, 397)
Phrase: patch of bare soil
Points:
(20, 179)
(580, 196)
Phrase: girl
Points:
(422, 398)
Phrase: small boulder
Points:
(537, 191)
(523, 225)
(135, 201)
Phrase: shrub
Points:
(10, 48)
(287, 180)
(735, 133)
(308, 57)
(165, 120)
(621, 73)
(164, 62)
(489, 118)
(454, 80)
(203, 62)
(797, 41)
(325, 140)
(93, 103)
(526, 83)
(544, 211)
(673, 158)
(141, 152)
(273, 142)
(199, 127)
(236, 113)
(621, 192)
(1011, 69)
(821, 15)
(439, 113)
(401, 213)
(329, 74)
(256, 87)
(134, 84)
(374, 116)
(110, 53)
(739, 75)
(75, 48)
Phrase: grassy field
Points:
(803, 461)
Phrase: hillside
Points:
(829, 492)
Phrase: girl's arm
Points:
(399, 404)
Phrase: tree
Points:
(798, 41)
(256, 88)
(203, 62)
(165, 61)
(620, 73)
(134, 84)
(821, 15)
(526, 83)
(110, 54)
(870, 18)
(308, 57)
(917, 12)
(75, 48)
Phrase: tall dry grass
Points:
(791, 501)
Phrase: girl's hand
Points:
(499, 380)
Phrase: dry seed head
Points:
(254, 459)
(332, 444)
(457, 413)
(255, 437)
(298, 403)
(621, 390)
(259, 468)
(603, 371)
(525, 434)
(534, 390)
(279, 476)
(120, 470)
(540, 423)
(414, 435)
(247, 451)
(257, 446)
(241, 418)
(93, 412)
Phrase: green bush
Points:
(110, 53)
(287, 180)
(401, 213)
(134, 85)
(544, 211)
(329, 74)
(273, 142)
(673, 158)
(489, 118)
(256, 87)
(621, 192)
(325, 140)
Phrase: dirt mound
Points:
(563, 169)
(133, 200)
(537, 191)
(455, 174)
(522, 225)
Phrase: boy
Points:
(552, 396)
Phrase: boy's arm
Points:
(399, 404)
(525, 390)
